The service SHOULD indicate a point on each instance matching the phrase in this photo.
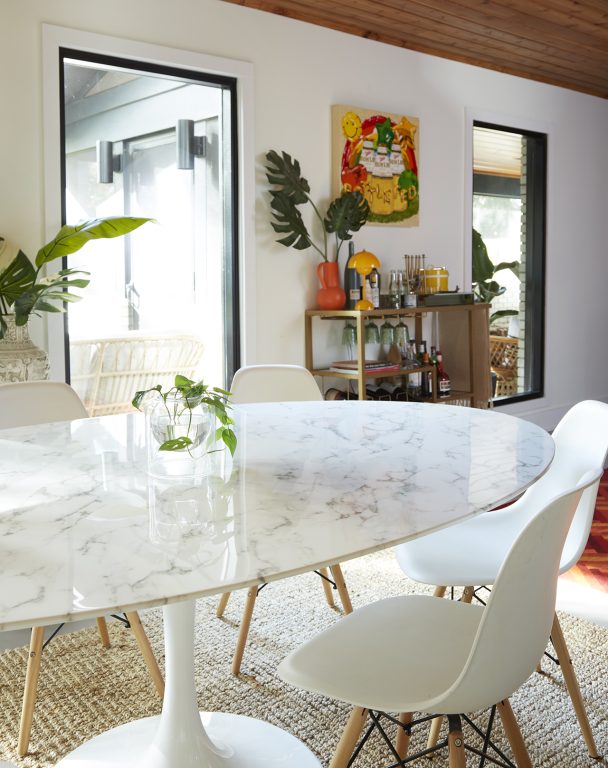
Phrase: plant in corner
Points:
(485, 288)
(24, 292)
(181, 418)
(344, 215)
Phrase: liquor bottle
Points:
(374, 280)
(444, 386)
(427, 376)
(352, 280)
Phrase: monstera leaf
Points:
(284, 172)
(18, 277)
(289, 222)
(346, 214)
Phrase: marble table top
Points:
(85, 529)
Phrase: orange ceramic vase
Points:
(330, 295)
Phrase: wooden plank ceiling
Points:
(561, 42)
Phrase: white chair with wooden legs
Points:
(268, 384)
(433, 656)
(470, 553)
(41, 402)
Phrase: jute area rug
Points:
(85, 689)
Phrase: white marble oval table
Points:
(86, 530)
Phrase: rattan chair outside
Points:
(504, 352)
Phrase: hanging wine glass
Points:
(349, 338)
(402, 336)
(387, 333)
(372, 333)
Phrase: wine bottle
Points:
(352, 280)
(444, 386)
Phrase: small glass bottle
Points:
(444, 386)
(393, 291)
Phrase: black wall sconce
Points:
(107, 162)
(189, 146)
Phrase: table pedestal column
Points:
(181, 737)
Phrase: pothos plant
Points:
(344, 215)
(180, 400)
(23, 291)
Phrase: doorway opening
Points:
(147, 140)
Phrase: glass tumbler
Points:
(372, 333)
(387, 333)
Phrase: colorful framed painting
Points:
(376, 153)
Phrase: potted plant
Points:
(344, 215)
(23, 291)
(183, 417)
(485, 288)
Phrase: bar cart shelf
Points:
(464, 333)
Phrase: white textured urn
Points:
(20, 358)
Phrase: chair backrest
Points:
(270, 383)
(516, 622)
(38, 402)
(581, 444)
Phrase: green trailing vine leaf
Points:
(192, 393)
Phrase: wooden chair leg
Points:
(221, 606)
(348, 740)
(252, 594)
(565, 662)
(336, 572)
(439, 591)
(30, 690)
(402, 743)
(467, 594)
(102, 628)
(516, 741)
(327, 589)
(433, 738)
(457, 758)
(146, 651)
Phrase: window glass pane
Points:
(509, 214)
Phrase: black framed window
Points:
(509, 212)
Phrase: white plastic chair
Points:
(434, 656)
(267, 384)
(41, 402)
(469, 554)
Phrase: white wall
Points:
(300, 71)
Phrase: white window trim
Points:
(54, 38)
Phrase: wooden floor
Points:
(592, 569)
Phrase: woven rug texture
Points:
(85, 690)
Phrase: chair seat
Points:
(469, 553)
(383, 656)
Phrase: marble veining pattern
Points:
(84, 528)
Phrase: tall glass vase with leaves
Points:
(184, 424)
(344, 215)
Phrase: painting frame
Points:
(376, 152)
